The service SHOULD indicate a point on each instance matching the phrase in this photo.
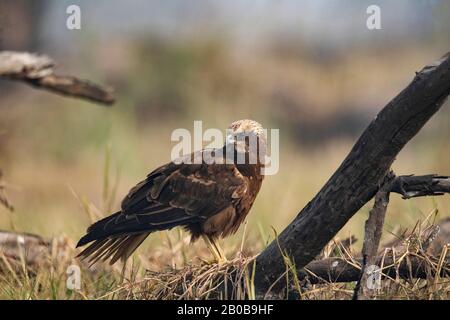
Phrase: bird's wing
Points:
(173, 195)
(197, 190)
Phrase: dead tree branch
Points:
(417, 262)
(341, 270)
(358, 178)
(38, 71)
(419, 186)
(372, 236)
(408, 186)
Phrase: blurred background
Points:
(310, 68)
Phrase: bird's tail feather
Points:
(114, 248)
(98, 230)
(117, 236)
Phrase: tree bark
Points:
(358, 178)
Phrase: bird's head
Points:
(247, 136)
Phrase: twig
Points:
(37, 70)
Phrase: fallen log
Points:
(334, 270)
(416, 262)
(22, 250)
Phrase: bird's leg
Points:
(213, 248)
(223, 257)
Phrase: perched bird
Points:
(207, 199)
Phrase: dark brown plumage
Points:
(209, 200)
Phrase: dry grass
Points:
(202, 281)
(232, 280)
(45, 276)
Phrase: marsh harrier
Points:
(208, 199)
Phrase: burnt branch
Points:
(416, 256)
(38, 71)
(419, 186)
(372, 236)
(358, 178)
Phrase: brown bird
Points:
(207, 199)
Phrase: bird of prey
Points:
(208, 199)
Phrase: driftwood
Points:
(357, 179)
(38, 71)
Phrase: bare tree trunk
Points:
(358, 178)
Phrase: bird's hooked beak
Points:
(237, 139)
(243, 141)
